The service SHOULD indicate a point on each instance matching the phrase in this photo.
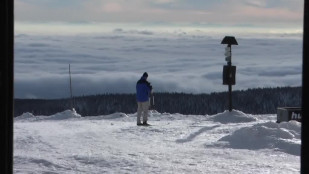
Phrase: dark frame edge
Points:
(7, 85)
(305, 79)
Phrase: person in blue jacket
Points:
(143, 92)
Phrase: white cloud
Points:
(113, 62)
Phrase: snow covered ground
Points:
(228, 142)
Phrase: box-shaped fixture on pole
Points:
(229, 73)
(228, 54)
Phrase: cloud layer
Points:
(176, 62)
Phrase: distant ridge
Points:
(254, 101)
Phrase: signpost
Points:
(229, 71)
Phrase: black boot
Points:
(145, 123)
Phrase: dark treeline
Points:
(254, 101)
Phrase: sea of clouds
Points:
(178, 61)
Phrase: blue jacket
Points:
(143, 90)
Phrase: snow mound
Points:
(67, 114)
(115, 115)
(25, 116)
(293, 126)
(234, 116)
(283, 137)
(154, 112)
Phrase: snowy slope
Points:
(228, 142)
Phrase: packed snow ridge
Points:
(67, 114)
(232, 117)
(283, 136)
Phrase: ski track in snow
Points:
(175, 143)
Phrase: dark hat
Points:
(145, 74)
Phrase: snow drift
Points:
(284, 137)
(66, 142)
(232, 117)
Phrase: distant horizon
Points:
(161, 92)
(83, 27)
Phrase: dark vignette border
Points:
(6, 85)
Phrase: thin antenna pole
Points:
(71, 87)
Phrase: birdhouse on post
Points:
(229, 71)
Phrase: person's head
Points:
(145, 75)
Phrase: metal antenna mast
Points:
(71, 87)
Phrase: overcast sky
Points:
(234, 12)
